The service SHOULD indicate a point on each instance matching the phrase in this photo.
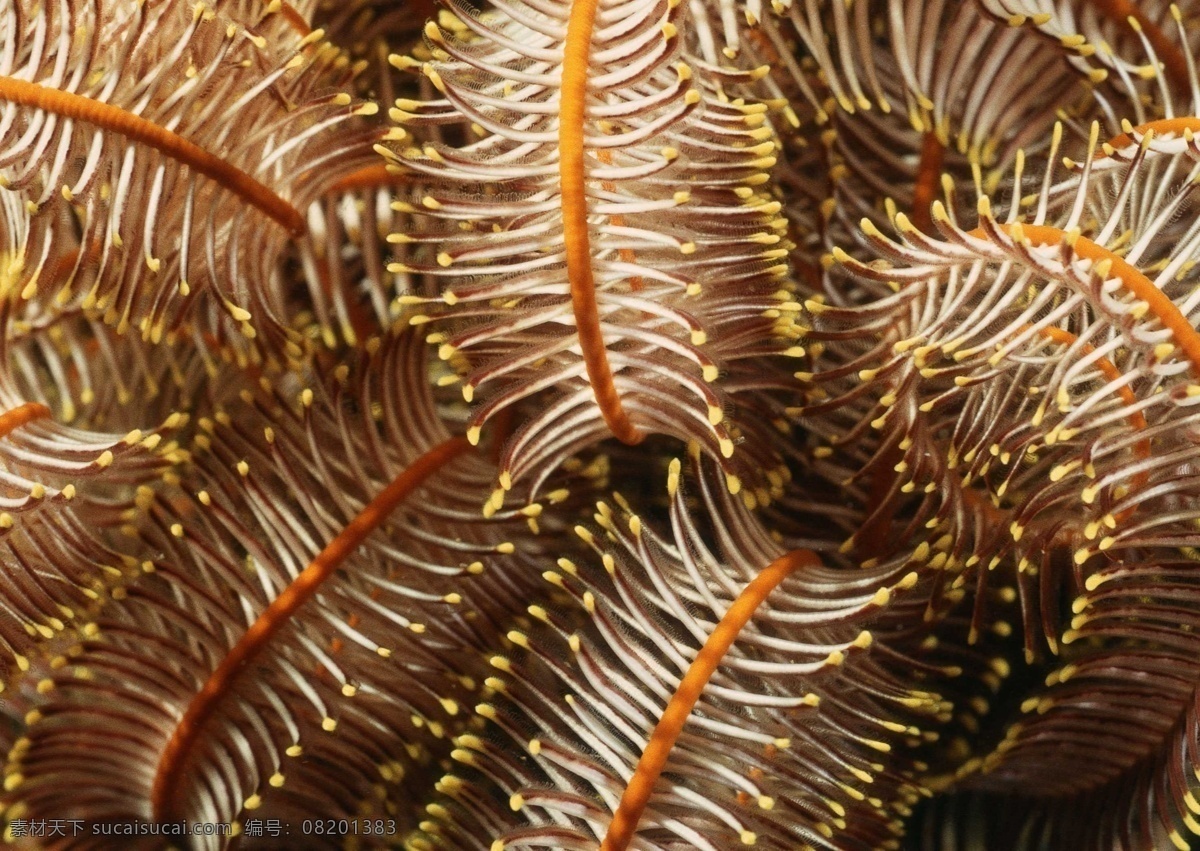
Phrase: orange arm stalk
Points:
(573, 180)
(670, 725)
(131, 126)
(302, 589)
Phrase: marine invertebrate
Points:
(605, 423)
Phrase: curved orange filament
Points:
(369, 177)
(301, 590)
(929, 170)
(1136, 419)
(1168, 52)
(654, 757)
(573, 181)
(21, 415)
(1161, 127)
(116, 120)
(295, 20)
(1184, 335)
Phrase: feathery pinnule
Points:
(622, 253)
(134, 118)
